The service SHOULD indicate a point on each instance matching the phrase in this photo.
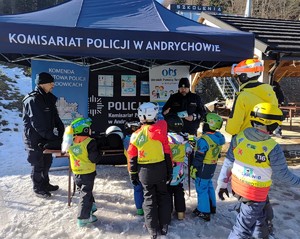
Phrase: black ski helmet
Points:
(175, 123)
(131, 126)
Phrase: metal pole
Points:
(248, 8)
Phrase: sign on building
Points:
(193, 11)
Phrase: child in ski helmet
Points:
(130, 127)
(150, 164)
(256, 159)
(180, 152)
(84, 156)
(204, 165)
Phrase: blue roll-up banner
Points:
(71, 89)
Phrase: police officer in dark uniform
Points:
(187, 105)
(40, 118)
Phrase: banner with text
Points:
(194, 43)
(164, 82)
(71, 87)
(114, 97)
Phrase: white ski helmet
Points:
(249, 69)
(147, 112)
(114, 130)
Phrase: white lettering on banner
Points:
(69, 84)
(61, 71)
(77, 78)
(120, 115)
(60, 77)
(70, 78)
(108, 44)
(122, 105)
(117, 44)
(45, 40)
(138, 44)
(67, 75)
(181, 46)
(119, 121)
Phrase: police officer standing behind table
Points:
(188, 105)
(40, 118)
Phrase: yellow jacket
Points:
(149, 150)
(80, 163)
(252, 172)
(251, 94)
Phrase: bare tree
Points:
(277, 9)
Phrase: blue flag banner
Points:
(71, 89)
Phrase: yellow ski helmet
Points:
(266, 114)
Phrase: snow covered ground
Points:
(24, 216)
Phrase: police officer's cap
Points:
(43, 78)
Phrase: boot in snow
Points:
(85, 222)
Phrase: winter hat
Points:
(184, 82)
(44, 78)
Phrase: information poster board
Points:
(105, 85)
(163, 82)
(128, 83)
(114, 97)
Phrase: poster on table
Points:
(71, 89)
(163, 82)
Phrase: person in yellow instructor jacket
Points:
(251, 93)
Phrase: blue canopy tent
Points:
(134, 34)
(118, 36)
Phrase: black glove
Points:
(53, 144)
(221, 192)
(169, 178)
(41, 145)
(134, 178)
(169, 168)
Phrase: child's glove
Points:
(192, 141)
(134, 178)
(193, 172)
(221, 192)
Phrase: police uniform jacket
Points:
(191, 103)
(40, 118)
